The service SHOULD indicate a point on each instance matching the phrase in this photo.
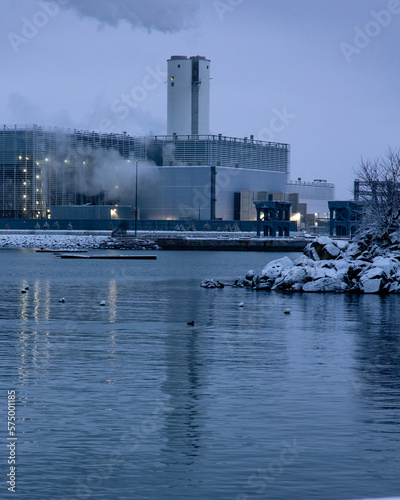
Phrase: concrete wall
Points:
(185, 192)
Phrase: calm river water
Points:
(127, 401)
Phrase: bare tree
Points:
(379, 189)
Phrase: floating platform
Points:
(51, 250)
(125, 257)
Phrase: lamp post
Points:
(136, 198)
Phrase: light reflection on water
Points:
(128, 401)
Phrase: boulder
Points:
(394, 237)
(250, 275)
(329, 252)
(274, 268)
(211, 284)
(311, 252)
(264, 286)
(386, 263)
(303, 260)
(352, 250)
(341, 244)
(290, 277)
(325, 285)
(371, 285)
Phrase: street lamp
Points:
(136, 198)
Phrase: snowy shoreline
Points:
(53, 241)
(74, 239)
(330, 266)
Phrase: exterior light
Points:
(296, 217)
(24, 196)
(20, 157)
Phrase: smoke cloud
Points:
(90, 171)
(110, 173)
(161, 15)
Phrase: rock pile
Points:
(333, 266)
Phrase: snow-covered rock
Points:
(330, 251)
(324, 285)
(211, 284)
(341, 244)
(290, 277)
(386, 263)
(274, 268)
(371, 285)
(365, 266)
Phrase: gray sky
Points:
(321, 75)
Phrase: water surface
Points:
(127, 401)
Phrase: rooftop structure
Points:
(188, 95)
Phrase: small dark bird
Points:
(191, 323)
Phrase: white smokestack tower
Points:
(188, 96)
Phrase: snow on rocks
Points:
(71, 241)
(329, 265)
(273, 269)
(50, 241)
(211, 284)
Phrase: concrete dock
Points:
(229, 243)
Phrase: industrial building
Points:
(186, 174)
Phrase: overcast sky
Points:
(321, 75)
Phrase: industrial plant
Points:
(188, 174)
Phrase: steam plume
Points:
(161, 15)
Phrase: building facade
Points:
(179, 176)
